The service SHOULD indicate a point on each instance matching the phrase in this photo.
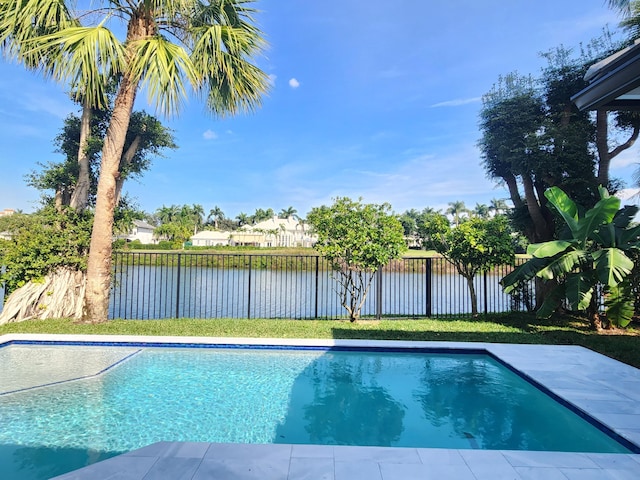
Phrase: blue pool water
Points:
(145, 395)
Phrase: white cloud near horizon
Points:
(294, 83)
(457, 102)
(209, 135)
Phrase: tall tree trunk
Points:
(96, 306)
(80, 197)
(124, 162)
(602, 143)
(542, 233)
(512, 185)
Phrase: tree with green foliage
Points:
(288, 212)
(592, 253)
(47, 252)
(357, 239)
(146, 138)
(216, 215)
(534, 137)
(457, 210)
(261, 215)
(178, 222)
(167, 46)
(243, 219)
(476, 245)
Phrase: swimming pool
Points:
(132, 395)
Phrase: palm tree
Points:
(243, 219)
(212, 45)
(168, 214)
(498, 206)
(623, 6)
(288, 213)
(456, 210)
(192, 215)
(481, 210)
(216, 215)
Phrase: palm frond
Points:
(162, 66)
(23, 21)
(84, 57)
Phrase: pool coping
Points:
(598, 386)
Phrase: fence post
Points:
(379, 293)
(428, 287)
(178, 288)
(317, 286)
(249, 290)
(484, 275)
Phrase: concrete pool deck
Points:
(603, 388)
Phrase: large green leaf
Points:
(612, 266)
(602, 213)
(548, 249)
(551, 302)
(522, 274)
(562, 265)
(565, 207)
(630, 237)
(625, 216)
(579, 291)
(619, 305)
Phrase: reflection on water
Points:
(342, 404)
(430, 400)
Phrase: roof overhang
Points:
(615, 83)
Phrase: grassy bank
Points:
(623, 345)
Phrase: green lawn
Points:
(623, 345)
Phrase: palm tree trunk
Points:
(80, 197)
(96, 306)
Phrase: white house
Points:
(140, 231)
(210, 238)
(282, 232)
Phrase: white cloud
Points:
(457, 102)
(272, 78)
(209, 135)
(293, 83)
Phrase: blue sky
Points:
(372, 99)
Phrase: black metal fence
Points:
(203, 285)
